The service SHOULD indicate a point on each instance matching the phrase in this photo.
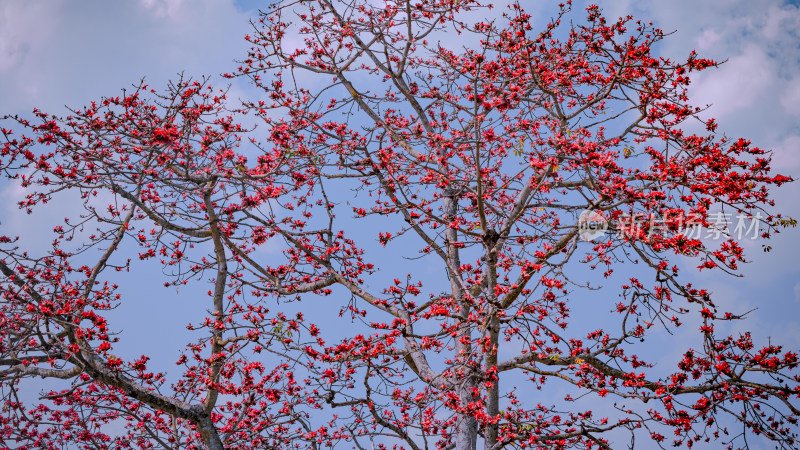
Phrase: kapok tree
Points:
(437, 195)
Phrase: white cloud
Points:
(790, 100)
(708, 39)
(54, 54)
(17, 41)
(616, 8)
(163, 8)
(737, 85)
(782, 23)
(787, 154)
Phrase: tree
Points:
(469, 171)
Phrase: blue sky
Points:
(55, 53)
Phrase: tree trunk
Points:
(209, 434)
(466, 429)
(463, 377)
(493, 393)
